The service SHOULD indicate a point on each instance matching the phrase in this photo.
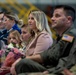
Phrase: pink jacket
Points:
(39, 44)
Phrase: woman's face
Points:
(32, 22)
(25, 34)
(7, 23)
(1, 21)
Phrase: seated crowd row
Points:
(31, 47)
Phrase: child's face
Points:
(12, 39)
(25, 34)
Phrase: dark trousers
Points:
(27, 66)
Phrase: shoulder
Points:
(44, 34)
(71, 31)
(70, 35)
(44, 37)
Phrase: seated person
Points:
(41, 34)
(62, 22)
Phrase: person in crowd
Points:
(11, 22)
(62, 22)
(2, 44)
(41, 34)
(17, 41)
(66, 65)
(14, 39)
(40, 31)
(26, 35)
(2, 27)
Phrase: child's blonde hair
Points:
(17, 35)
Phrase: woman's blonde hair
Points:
(41, 21)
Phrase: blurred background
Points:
(22, 7)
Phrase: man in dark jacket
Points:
(62, 22)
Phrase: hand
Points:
(45, 72)
(12, 70)
(4, 68)
(67, 72)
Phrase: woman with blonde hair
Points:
(42, 36)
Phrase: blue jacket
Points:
(15, 27)
(5, 33)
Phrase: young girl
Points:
(14, 47)
(14, 40)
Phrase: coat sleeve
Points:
(61, 49)
(66, 62)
